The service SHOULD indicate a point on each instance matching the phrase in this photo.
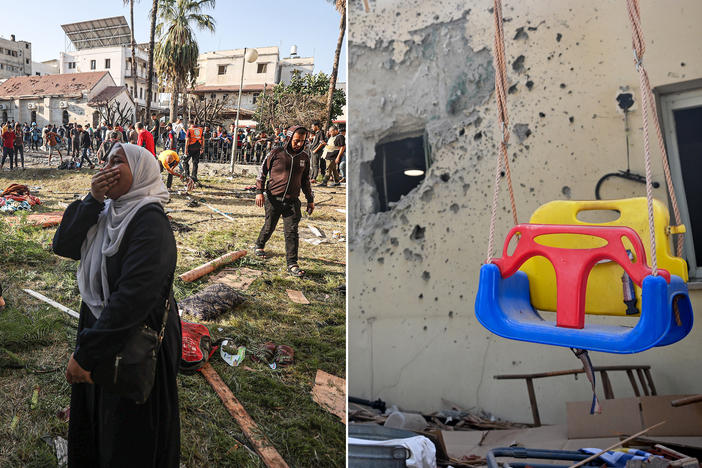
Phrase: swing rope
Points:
(503, 120)
(649, 105)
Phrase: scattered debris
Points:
(260, 442)
(211, 302)
(70, 312)
(192, 203)
(179, 227)
(297, 297)
(64, 414)
(329, 392)
(232, 359)
(60, 447)
(239, 279)
(316, 231)
(45, 220)
(35, 398)
(211, 266)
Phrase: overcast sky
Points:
(312, 25)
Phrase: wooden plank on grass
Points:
(260, 442)
(329, 392)
(239, 279)
(52, 218)
(209, 267)
(297, 297)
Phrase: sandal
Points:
(284, 355)
(295, 270)
(260, 253)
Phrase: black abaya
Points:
(104, 429)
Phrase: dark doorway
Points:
(398, 167)
(688, 123)
(65, 117)
(34, 116)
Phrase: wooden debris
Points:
(297, 297)
(70, 312)
(329, 392)
(52, 218)
(239, 279)
(260, 442)
(622, 442)
(209, 267)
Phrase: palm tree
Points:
(131, 19)
(149, 79)
(177, 50)
(341, 8)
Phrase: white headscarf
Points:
(104, 238)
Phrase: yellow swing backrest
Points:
(604, 287)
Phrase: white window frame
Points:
(670, 103)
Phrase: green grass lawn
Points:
(36, 339)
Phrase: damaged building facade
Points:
(421, 96)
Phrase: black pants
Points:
(84, 156)
(314, 166)
(19, 151)
(194, 154)
(291, 213)
(8, 152)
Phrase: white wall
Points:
(418, 66)
(288, 65)
(120, 67)
(45, 68)
(209, 63)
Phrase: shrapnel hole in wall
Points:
(399, 166)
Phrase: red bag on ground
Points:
(197, 347)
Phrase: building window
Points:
(255, 97)
(262, 68)
(107, 63)
(37, 73)
(26, 46)
(26, 61)
(141, 93)
(213, 95)
(93, 64)
(221, 69)
(682, 119)
(71, 65)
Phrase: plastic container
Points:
(364, 456)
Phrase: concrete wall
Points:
(209, 63)
(50, 67)
(15, 58)
(120, 68)
(417, 67)
(290, 64)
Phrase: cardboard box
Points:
(619, 416)
(631, 415)
(682, 421)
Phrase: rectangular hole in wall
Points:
(398, 167)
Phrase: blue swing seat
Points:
(503, 304)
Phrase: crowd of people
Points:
(85, 145)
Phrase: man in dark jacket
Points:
(84, 145)
(284, 173)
